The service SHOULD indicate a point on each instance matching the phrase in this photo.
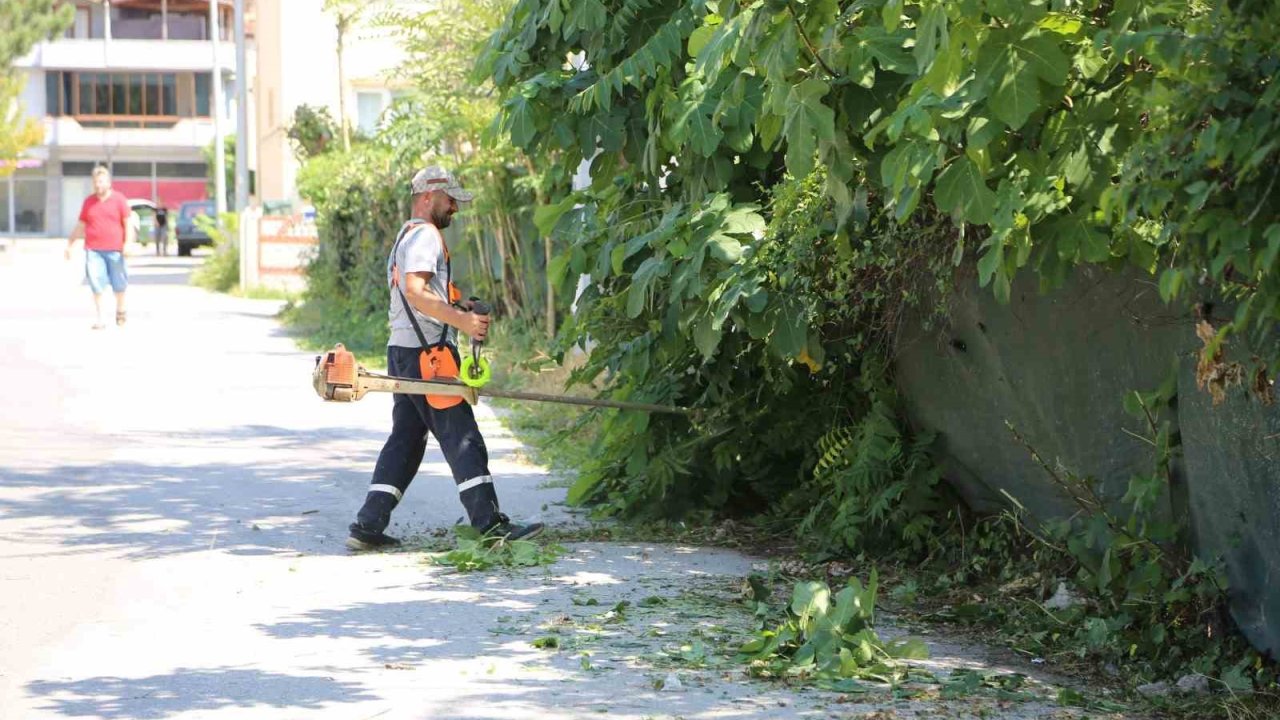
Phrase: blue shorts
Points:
(103, 267)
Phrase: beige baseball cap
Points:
(434, 177)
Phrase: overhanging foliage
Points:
(1052, 132)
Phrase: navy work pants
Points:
(455, 429)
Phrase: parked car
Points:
(189, 235)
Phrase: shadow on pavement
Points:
(186, 690)
(149, 511)
(463, 623)
(244, 507)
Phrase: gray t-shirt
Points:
(420, 250)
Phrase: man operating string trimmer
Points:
(426, 313)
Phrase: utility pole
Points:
(219, 152)
(242, 113)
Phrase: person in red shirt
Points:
(104, 225)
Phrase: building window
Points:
(79, 29)
(189, 25)
(4, 206)
(128, 99)
(146, 20)
(53, 94)
(80, 169)
(368, 111)
(28, 206)
(194, 170)
(181, 170)
(131, 170)
(194, 24)
(134, 23)
(97, 21)
(204, 91)
(151, 94)
(119, 95)
(168, 95)
(85, 101)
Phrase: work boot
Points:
(504, 528)
(362, 540)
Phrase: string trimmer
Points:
(339, 378)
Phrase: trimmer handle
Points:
(475, 370)
(479, 307)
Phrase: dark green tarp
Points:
(1056, 366)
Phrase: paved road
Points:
(171, 490)
(173, 500)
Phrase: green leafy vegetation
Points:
(476, 551)
(831, 638)
(1050, 134)
(220, 272)
(774, 184)
(547, 642)
(776, 320)
(965, 682)
(874, 487)
(209, 153)
(361, 194)
(556, 436)
(312, 131)
(23, 24)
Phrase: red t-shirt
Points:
(104, 221)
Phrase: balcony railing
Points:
(144, 122)
(149, 20)
(124, 131)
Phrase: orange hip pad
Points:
(438, 362)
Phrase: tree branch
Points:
(1265, 194)
(809, 44)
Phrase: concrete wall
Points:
(1056, 366)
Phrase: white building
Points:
(297, 64)
(128, 86)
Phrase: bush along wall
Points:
(360, 204)
(775, 184)
(1038, 135)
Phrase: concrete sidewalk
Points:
(173, 500)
